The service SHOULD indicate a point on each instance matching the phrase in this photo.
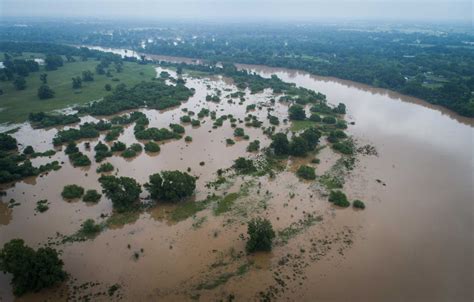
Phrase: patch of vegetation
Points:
(244, 166)
(91, 196)
(188, 139)
(297, 228)
(188, 209)
(254, 146)
(42, 206)
(223, 278)
(358, 204)
(72, 191)
(105, 167)
(171, 185)
(225, 204)
(32, 270)
(152, 147)
(306, 172)
(124, 192)
(339, 198)
(45, 120)
(261, 234)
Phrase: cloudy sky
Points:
(421, 10)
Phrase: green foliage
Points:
(45, 92)
(44, 120)
(339, 199)
(32, 270)
(177, 128)
(118, 147)
(72, 191)
(239, 132)
(358, 204)
(329, 120)
(156, 134)
(7, 142)
(28, 150)
(345, 147)
(225, 204)
(171, 185)
(129, 153)
(188, 139)
(229, 141)
(79, 159)
(261, 234)
(185, 119)
(152, 147)
(91, 196)
(105, 167)
(280, 144)
(306, 172)
(253, 146)
(244, 166)
(315, 118)
(299, 146)
(296, 113)
(90, 228)
(20, 83)
(42, 206)
(71, 148)
(122, 191)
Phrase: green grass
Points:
(225, 204)
(301, 125)
(16, 105)
(223, 278)
(190, 208)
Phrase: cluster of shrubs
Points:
(86, 130)
(340, 199)
(299, 145)
(44, 120)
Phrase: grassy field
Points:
(16, 105)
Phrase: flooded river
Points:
(413, 242)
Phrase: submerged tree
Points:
(171, 185)
(32, 270)
(261, 235)
(122, 191)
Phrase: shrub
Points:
(239, 132)
(71, 148)
(7, 142)
(280, 144)
(122, 191)
(171, 185)
(105, 167)
(306, 172)
(229, 141)
(196, 123)
(244, 166)
(188, 139)
(345, 147)
(32, 270)
(136, 147)
(28, 150)
(261, 235)
(339, 199)
(185, 119)
(329, 120)
(79, 160)
(315, 118)
(72, 191)
(91, 196)
(296, 113)
(45, 92)
(118, 147)
(298, 146)
(129, 153)
(90, 228)
(152, 147)
(358, 204)
(253, 146)
(177, 128)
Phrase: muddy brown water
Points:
(413, 242)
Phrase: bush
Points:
(129, 153)
(188, 139)
(90, 228)
(177, 128)
(122, 191)
(339, 199)
(71, 148)
(136, 147)
(7, 142)
(239, 132)
(345, 147)
(32, 270)
(152, 147)
(91, 196)
(315, 118)
(44, 92)
(106, 167)
(244, 166)
(28, 150)
(253, 146)
(72, 191)
(79, 160)
(196, 123)
(108, 87)
(306, 172)
(296, 113)
(358, 204)
(229, 141)
(329, 120)
(298, 146)
(118, 147)
(171, 185)
(280, 144)
(261, 235)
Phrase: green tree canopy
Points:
(171, 185)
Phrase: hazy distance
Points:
(242, 10)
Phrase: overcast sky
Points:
(422, 10)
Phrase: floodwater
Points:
(413, 242)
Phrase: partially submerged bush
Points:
(358, 204)
(152, 147)
(261, 235)
(91, 196)
(122, 191)
(171, 185)
(72, 191)
(239, 132)
(118, 147)
(253, 146)
(105, 167)
(32, 270)
(306, 172)
(90, 228)
(339, 199)
(244, 166)
(188, 139)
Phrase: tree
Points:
(44, 92)
(72, 191)
(52, 62)
(244, 166)
(20, 83)
(108, 87)
(76, 82)
(44, 78)
(7, 142)
(87, 76)
(122, 191)
(171, 185)
(298, 146)
(306, 172)
(32, 270)
(296, 113)
(280, 144)
(261, 235)
(339, 199)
